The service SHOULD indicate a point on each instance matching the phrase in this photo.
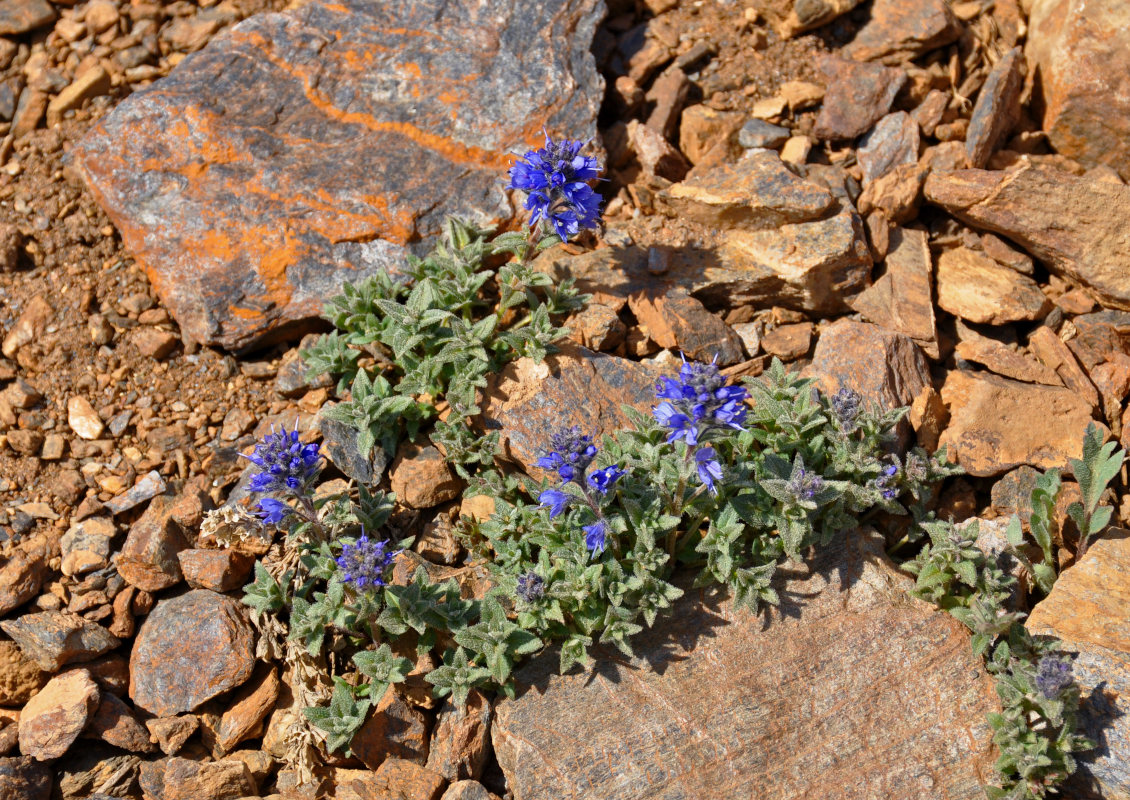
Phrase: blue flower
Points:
(365, 562)
(286, 465)
(570, 454)
(709, 470)
(595, 535)
(882, 483)
(555, 179)
(273, 511)
(556, 500)
(698, 403)
(1053, 675)
(603, 479)
(531, 587)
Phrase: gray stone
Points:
(759, 133)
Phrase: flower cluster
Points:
(555, 178)
(1053, 675)
(531, 587)
(883, 482)
(804, 485)
(570, 458)
(286, 467)
(697, 405)
(846, 406)
(365, 562)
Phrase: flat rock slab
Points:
(310, 147)
(901, 299)
(821, 699)
(901, 30)
(992, 423)
(1074, 225)
(1089, 609)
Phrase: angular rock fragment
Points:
(215, 780)
(21, 16)
(978, 289)
(901, 30)
(709, 706)
(219, 570)
(54, 638)
(758, 192)
(999, 358)
(115, 723)
(398, 778)
(148, 559)
(991, 429)
(901, 299)
(1087, 609)
(858, 96)
(53, 719)
(461, 740)
(310, 147)
(22, 577)
(791, 18)
(20, 677)
(656, 155)
(24, 778)
(1074, 225)
(190, 649)
(394, 730)
(891, 143)
(674, 319)
(244, 717)
(1077, 50)
(420, 477)
(997, 109)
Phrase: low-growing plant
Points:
(724, 480)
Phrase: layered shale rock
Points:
(315, 146)
(822, 698)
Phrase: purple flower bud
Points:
(595, 535)
(273, 511)
(709, 470)
(603, 479)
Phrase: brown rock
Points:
(886, 368)
(461, 740)
(21, 16)
(86, 545)
(1003, 253)
(147, 487)
(154, 343)
(218, 570)
(1055, 355)
(468, 790)
(976, 288)
(991, 428)
(54, 638)
(655, 153)
(397, 779)
(1071, 224)
(901, 299)
(812, 266)
(674, 319)
(26, 443)
(190, 649)
(116, 724)
(244, 717)
(792, 18)
(25, 779)
(758, 192)
(928, 416)
(394, 730)
(420, 477)
(110, 672)
(1012, 493)
(1078, 53)
(858, 95)
(1087, 609)
(527, 401)
(700, 672)
(893, 142)
(438, 542)
(997, 109)
(29, 325)
(598, 327)
(274, 230)
(20, 678)
(702, 129)
(898, 194)
(899, 31)
(1002, 360)
(148, 559)
(215, 780)
(21, 578)
(53, 719)
(788, 342)
(170, 733)
(95, 82)
(668, 95)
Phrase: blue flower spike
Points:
(555, 178)
(365, 562)
(286, 465)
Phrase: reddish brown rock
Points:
(526, 402)
(758, 192)
(703, 128)
(21, 16)
(899, 31)
(214, 780)
(420, 477)
(901, 299)
(54, 638)
(242, 219)
(115, 723)
(1001, 359)
(726, 681)
(885, 367)
(788, 342)
(394, 730)
(21, 578)
(997, 109)
(219, 570)
(397, 779)
(148, 559)
(28, 326)
(1087, 609)
(154, 343)
(928, 416)
(468, 790)
(1077, 49)
(792, 18)
(893, 142)
(976, 288)
(86, 545)
(190, 649)
(24, 778)
(656, 155)
(991, 429)
(170, 733)
(1074, 225)
(598, 327)
(857, 97)
(674, 319)
(243, 719)
(20, 677)
(53, 719)
(461, 740)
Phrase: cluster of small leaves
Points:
(434, 333)
(1094, 472)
